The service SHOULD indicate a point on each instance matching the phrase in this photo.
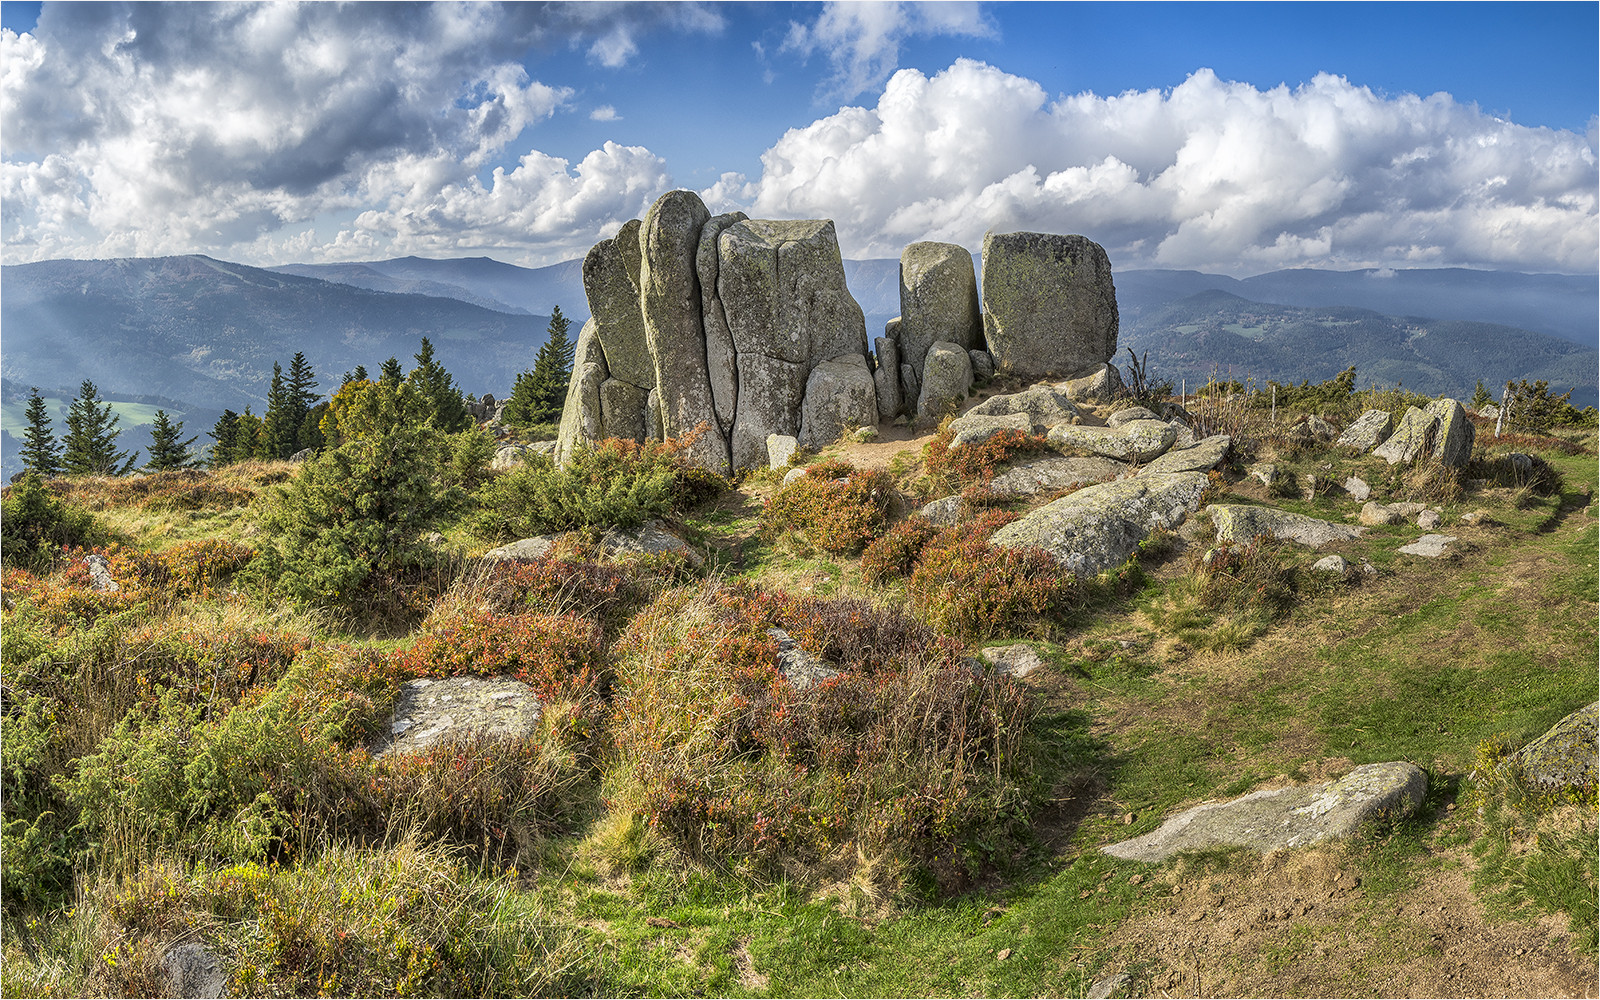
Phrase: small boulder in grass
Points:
(1564, 756)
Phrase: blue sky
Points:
(1223, 137)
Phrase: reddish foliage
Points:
(834, 506)
(966, 588)
(976, 463)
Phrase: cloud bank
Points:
(274, 133)
(1210, 175)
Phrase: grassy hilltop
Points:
(192, 758)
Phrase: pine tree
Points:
(226, 436)
(390, 373)
(523, 401)
(251, 442)
(281, 424)
(301, 386)
(1481, 397)
(441, 400)
(90, 447)
(40, 452)
(166, 451)
(540, 393)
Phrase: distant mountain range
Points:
(203, 334)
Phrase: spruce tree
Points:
(441, 400)
(90, 446)
(1481, 397)
(166, 451)
(226, 436)
(40, 451)
(390, 373)
(552, 370)
(281, 423)
(301, 386)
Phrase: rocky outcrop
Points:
(1044, 405)
(1371, 429)
(430, 710)
(938, 300)
(1286, 817)
(1049, 306)
(1099, 527)
(717, 324)
(523, 550)
(1017, 660)
(975, 428)
(1099, 386)
(946, 380)
(1564, 756)
(1135, 441)
(1203, 456)
(839, 397)
(1440, 430)
(1240, 523)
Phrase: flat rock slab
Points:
(1429, 546)
(1099, 527)
(1134, 441)
(1285, 817)
(1564, 757)
(1018, 660)
(525, 550)
(1242, 522)
(651, 538)
(433, 709)
(800, 668)
(1201, 457)
(1056, 472)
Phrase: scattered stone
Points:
(1320, 430)
(1371, 429)
(1375, 513)
(1049, 308)
(1429, 546)
(1429, 519)
(1266, 472)
(793, 474)
(433, 709)
(944, 512)
(799, 668)
(1201, 457)
(1099, 384)
(650, 538)
(1018, 660)
(1490, 412)
(1055, 472)
(781, 449)
(975, 428)
(508, 456)
(1242, 522)
(1099, 527)
(100, 577)
(303, 455)
(1044, 406)
(1286, 817)
(1130, 414)
(193, 971)
(525, 550)
(1564, 756)
(1331, 564)
(1357, 488)
(866, 434)
(1136, 441)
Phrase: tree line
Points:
(297, 418)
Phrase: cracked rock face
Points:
(1099, 527)
(1286, 817)
(1049, 307)
(430, 710)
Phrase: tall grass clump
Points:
(1231, 595)
(896, 761)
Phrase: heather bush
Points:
(604, 593)
(616, 483)
(952, 469)
(969, 589)
(833, 507)
(892, 555)
(901, 758)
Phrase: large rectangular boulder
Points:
(1049, 306)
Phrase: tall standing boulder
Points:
(1441, 430)
(669, 296)
(581, 414)
(938, 300)
(1049, 306)
(721, 357)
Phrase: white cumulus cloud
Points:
(1210, 174)
(862, 40)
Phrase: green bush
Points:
(834, 507)
(353, 519)
(34, 525)
(614, 484)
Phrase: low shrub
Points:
(35, 525)
(892, 555)
(833, 507)
(562, 657)
(616, 483)
(1231, 595)
(604, 593)
(969, 589)
(901, 758)
(952, 469)
(171, 490)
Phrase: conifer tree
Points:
(540, 393)
(390, 373)
(226, 436)
(1481, 397)
(436, 389)
(40, 451)
(301, 385)
(166, 451)
(90, 446)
